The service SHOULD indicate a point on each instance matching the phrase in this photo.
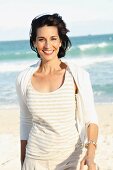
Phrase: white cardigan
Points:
(85, 113)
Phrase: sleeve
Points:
(25, 115)
(89, 105)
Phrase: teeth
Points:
(48, 52)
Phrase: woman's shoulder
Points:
(77, 69)
(80, 69)
(26, 72)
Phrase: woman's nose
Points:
(47, 44)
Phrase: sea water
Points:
(92, 52)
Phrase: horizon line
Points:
(71, 36)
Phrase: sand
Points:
(9, 138)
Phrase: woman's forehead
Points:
(47, 30)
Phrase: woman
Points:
(57, 113)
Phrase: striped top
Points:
(53, 116)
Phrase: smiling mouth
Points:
(48, 52)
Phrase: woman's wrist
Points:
(92, 143)
(91, 147)
(91, 151)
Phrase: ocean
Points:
(92, 52)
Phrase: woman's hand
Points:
(87, 163)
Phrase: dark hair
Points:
(50, 20)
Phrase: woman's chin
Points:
(48, 57)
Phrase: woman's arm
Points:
(23, 144)
(25, 120)
(92, 135)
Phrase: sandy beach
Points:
(9, 138)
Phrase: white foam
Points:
(88, 46)
(21, 65)
(99, 93)
(102, 45)
(16, 66)
(89, 61)
(7, 106)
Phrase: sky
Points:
(83, 17)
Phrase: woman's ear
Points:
(34, 43)
(60, 43)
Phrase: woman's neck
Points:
(50, 67)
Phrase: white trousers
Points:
(66, 161)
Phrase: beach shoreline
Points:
(9, 137)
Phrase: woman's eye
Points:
(53, 38)
(41, 39)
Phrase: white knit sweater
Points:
(85, 112)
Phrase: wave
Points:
(102, 89)
(17, 55)
(89, 46)
(90, 61)
(20, 65)
(91, 50)
(94, 49)
(15, 67)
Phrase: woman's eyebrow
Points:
(40, 37)
(44, 37)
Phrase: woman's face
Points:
(47, 42)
